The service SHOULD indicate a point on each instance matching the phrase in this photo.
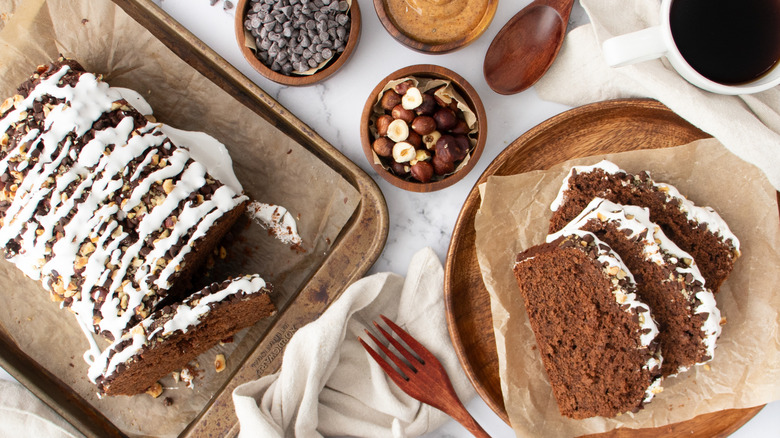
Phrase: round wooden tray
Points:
(599, 128)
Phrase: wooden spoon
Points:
(526, 46)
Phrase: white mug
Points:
(657, 41)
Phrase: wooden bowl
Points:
(434, 48)
(298, 80)
(470, 97)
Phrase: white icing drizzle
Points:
(93, 353)
(186, 316)
(703, 215)
(277, 219)
(209, 151)
(656, 245)
(606, 165)
(214, 155)
(95, 176)
(203, 147)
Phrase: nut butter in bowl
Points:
(435, 26)
(423, 128)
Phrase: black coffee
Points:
(727, 41)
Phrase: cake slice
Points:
(667, 280)
(699, 231)
(596, 339)
(98, 204)
(176, 334)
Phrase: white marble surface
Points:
(333, 109)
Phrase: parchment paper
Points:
(271, 167)
(514, 215)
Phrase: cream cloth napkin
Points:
(23, 415)
(748, 125)
(328, 385)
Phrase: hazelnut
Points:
(446, 148)
(403, 152)
(461, 127)
(382, 123)
(441, 166)
(463, 146)
(423, 125)
(427, 107)
(445, 119)
(422, 155)
(403, 87)
(442, 100)
(422, 171)
(155, 390)
(398, 130)
(219, 363)
(415, 140)
(383, 147)
(400, 113)
(429, 140)
(412, 99)
(400, 169)
(390, 99)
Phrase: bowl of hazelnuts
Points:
(423, 128)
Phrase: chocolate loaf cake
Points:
(596, 339)
(176, 334)
(98, 204)
(699, 231)
(667, 280)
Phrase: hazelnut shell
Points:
(427, 107)
(441, 166)
(423, 125)
(399, 112)
(422, 171)
(383, 146)
(445, 119)
(382, 122)
(403, 86)
(415, 140)
(446, 148)
(390, 99)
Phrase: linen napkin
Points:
(328, 385)
(748, 125)
(23, 414)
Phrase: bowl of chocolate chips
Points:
(297, 42)
(423, 128)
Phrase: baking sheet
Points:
(269, 164)
(744, 372)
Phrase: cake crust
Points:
(697, 230)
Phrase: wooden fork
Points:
(422, 377)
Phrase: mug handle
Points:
(642, 45)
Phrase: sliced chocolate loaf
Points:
(699, 231)
(596, 339)
(176, 334)
(667, 281)
(98, 204)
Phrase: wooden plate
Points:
(599, 128)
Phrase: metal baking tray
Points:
(351, 254)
